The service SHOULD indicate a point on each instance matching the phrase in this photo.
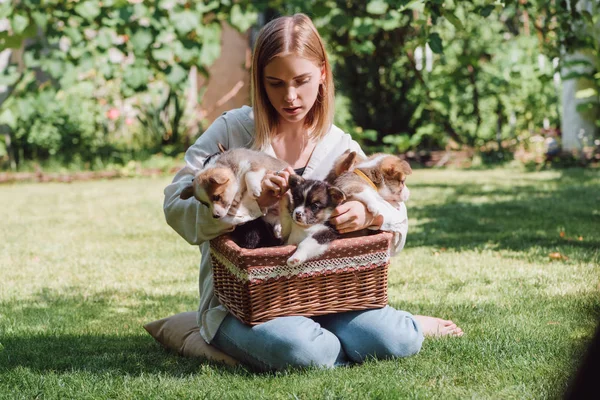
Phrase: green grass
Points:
(84, 265)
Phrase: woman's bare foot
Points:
(437, 327)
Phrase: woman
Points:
(293, 97)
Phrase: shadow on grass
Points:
(54, 332)
(515, 218)
(98, 333)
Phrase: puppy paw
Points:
(294, 261)
(373, 210)
(277, 231)
(237, 199)
(256, 191)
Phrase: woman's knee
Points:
(316, 348)
(405, 343)
(382, 333)
(280, 343)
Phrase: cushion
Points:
(181, 333)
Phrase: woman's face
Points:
(292, 85)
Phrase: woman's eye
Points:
(304, 81)
(216, 197)
(275, 84)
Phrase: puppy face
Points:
(215, 188)
(312, 201)
(393, 172)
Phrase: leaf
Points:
(163, 54)
(585, 93)
(19, 23)
(487, 10)
(104, 38)
(9, 118)
(88, 10)
(417, 5)
(340, 20)
(176, 75)
(377, 7)
(140, 41)
(242, 21)
(435, 43)
(209, 54)
(185, 21)
(40, 19)
(453, 19)
(136, 77)
(557, 256)
(587, 17)
(185, 54)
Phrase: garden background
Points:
(494, 104)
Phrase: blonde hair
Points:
(296, 35)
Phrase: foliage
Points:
(588, 41)
(129, 44)
(490, 76)
(410, 74)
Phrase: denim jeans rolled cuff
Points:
(325, 341)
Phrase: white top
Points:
(195, 224)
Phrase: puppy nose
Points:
(298, 215)
(216, 216)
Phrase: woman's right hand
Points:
(274, 185)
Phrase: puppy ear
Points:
(405, 167)
(187, 192)
(395, 167)
(337, 196)
(376, 176)
(347, 163)
(222, 148)
(295, 180)
(218, 180)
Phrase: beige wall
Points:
(229, 83)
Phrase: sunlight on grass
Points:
(512, 257)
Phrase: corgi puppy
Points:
(371, 180)
(305, 212)
(226, 177)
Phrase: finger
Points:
(289, 170)
(345, 228)
(348, 224)
(339, 210)
(337, 221)
(269, 185)
(280, 181)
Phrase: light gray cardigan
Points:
(194, 223)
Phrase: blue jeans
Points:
(324, 341)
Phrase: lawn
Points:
(512, 257)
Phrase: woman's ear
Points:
(323, 75)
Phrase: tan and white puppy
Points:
(371, 180)
(232, 176)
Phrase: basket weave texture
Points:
(257, 285)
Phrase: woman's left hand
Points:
(353, 216)
(274, 185)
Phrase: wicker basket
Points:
(257, 285)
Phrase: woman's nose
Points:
(290, 94)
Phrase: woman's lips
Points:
(292, 110)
